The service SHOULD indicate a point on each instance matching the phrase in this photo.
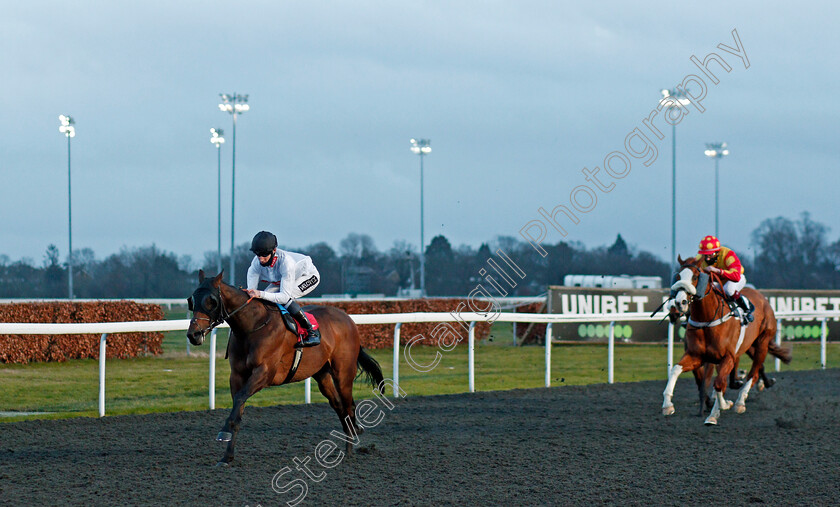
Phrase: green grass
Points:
(176, 381)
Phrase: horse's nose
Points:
(196, 337)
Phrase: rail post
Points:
(514, 331)
(396, 370)
(471, 356)
(102, 374)
(823, 338)
(188, 340)
(778, 342)
(307, 391)
(212, 387)
(611, 353)
(548, 339)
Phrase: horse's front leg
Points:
(726, 366)
(687, 363)
(254, 383)
(703, 379)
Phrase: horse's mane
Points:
(691, 261)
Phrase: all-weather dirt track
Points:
(556, 446)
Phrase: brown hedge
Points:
(36, 348)
(378, 336)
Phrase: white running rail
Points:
(465, 318)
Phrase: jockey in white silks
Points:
(289, 275)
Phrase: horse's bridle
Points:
(220, 313)
(705, 285)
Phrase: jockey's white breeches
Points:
(731, 287)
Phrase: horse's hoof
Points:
(740, 409)
(222, 464)
(224, 436)
(711, 421)
(668, 410)
(726, 405)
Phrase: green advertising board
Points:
(584, 300)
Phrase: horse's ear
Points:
(200, 276)
(218, 280)
(680, 260)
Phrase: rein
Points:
(715, 288)
(715, 285)
(224, 316)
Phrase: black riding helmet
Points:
(263, 243)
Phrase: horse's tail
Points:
(370, 368)
(783, 353)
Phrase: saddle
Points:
(292, 325)
(735, 309)
(739, 312)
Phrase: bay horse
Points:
(714, 335)
(261, 351)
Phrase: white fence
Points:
(398, 319)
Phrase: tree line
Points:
(789, 254)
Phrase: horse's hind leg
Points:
(327, 387)
(344, 375)
(752, 377)
(768, 381)
(734, 381)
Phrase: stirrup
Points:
(742, 304)
(312, 338)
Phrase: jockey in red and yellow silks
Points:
(715, 258)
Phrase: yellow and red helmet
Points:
(709, 245)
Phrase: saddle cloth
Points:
(292, 324)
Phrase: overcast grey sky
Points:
(517, 97)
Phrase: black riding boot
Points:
(744, 305)
(313, 337)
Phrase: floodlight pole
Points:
(678, 97)
(69, 227)
(422, 237)
(235, 105)
(218, 140)
(717, 197)
(232, 198)
(716, 151)
(69, 131)
(422, 147)
(673, 198)
(219, 208)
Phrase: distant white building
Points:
(613, 282)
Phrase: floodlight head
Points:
(233, 103)
(216, 136)
(421, 147)
(66, 126)
(716, 150)
(676, 96)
